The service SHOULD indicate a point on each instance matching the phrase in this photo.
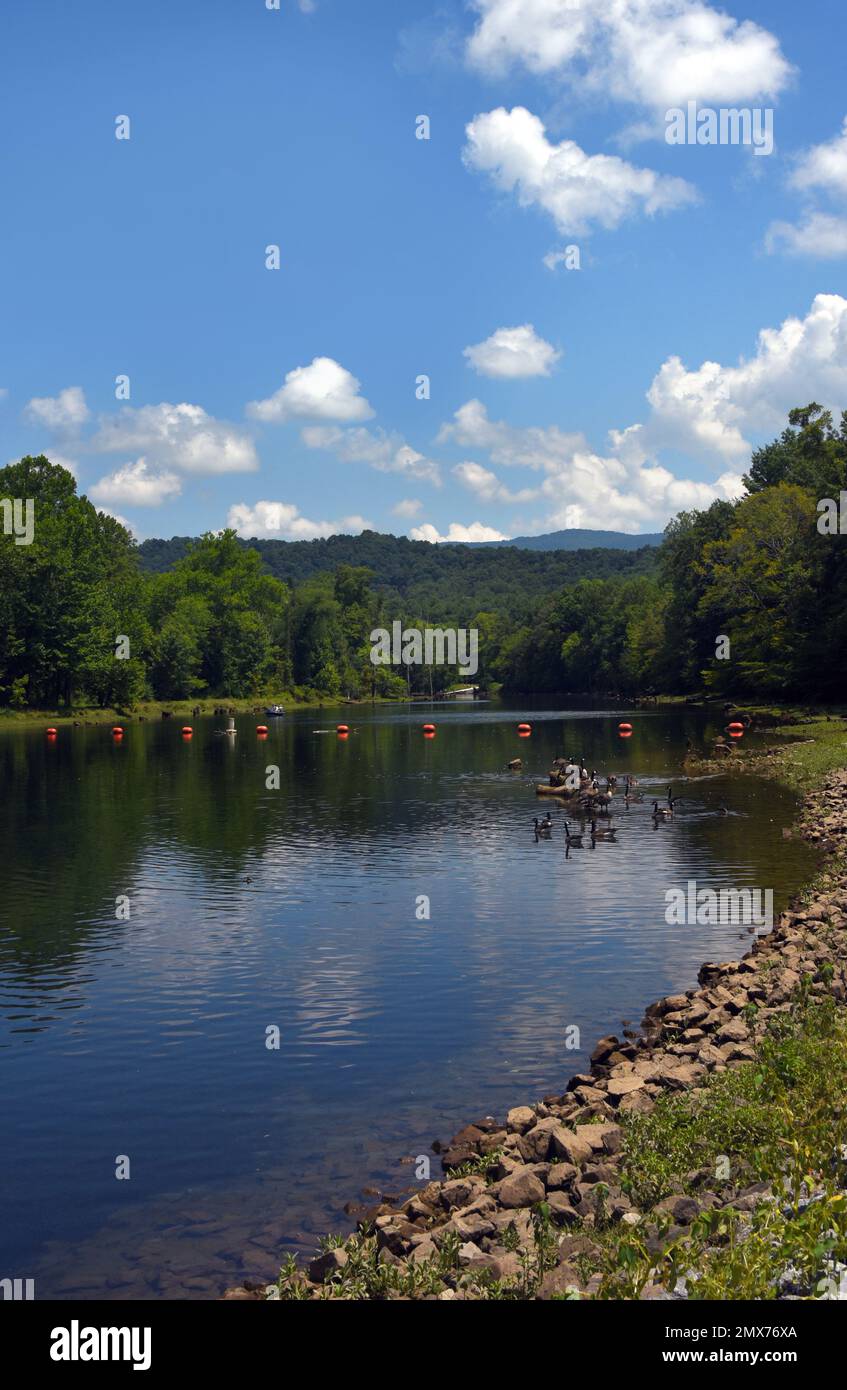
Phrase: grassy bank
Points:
(779, 1123)
(153, 709)
(817, 746)
(803, 748)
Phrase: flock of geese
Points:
(594, 802)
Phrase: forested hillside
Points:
(746, 598)
(447, 582)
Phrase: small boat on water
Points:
(274, 711)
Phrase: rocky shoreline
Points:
(563, 1156)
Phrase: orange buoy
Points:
(524, 728)
(342, 728)
(625, 728)
(118, 731)
(261, 728)
(736, 724)
(187, 729)
(51, 733)
(428, 728)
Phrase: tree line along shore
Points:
(743, 599)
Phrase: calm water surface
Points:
(253, 908)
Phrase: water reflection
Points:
(296, 908)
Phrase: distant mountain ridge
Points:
(448, 581)
(578, 539)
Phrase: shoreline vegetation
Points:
(702, 1158)
(744, 600)
(763, 716)
(152, 710)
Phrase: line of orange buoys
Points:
(735, 729)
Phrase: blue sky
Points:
(707, 302)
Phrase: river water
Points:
(162, 908)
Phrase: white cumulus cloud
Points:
(137, 485)
(652, 53)
(456, 532)
(387, 453)
(63, 413)
(182, 437)
(715, 409)
(580, 486)
(322, 391)
(513, 352)
(282, 521)
(576, 189)
(487, 486)
(714, 412)
(823, 166)
(821, 234)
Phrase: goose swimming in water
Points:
(662, 812)
(629, 793)
(607, 833)
(572, 839)
(543, 827)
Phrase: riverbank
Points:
(763, 716)
(804, 751)
(149, 710)
(701, 1158)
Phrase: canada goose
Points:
(572, 839)
(662, 812)
(722, 811)
(515, 765)
(607, 833)
(543, 827)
